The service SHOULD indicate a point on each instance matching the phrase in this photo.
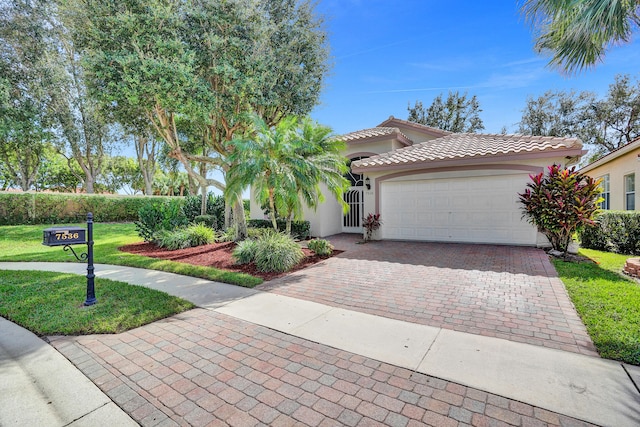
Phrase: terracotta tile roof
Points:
(393, 121)
(468, 146)
(373, 133)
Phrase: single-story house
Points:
(433, 185)
(619, 171)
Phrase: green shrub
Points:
(64, 208)
(616, 231)
(277, 252)
(208, 220)
(245, 251)
(200, 234)
(215, 209)
(172, 240)
(194, 235)
(594, 237)
(228, 235)
(255, 233)
(320, 246)
(149, 220)
(164, 215)
(299, 229)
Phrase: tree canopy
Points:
(606, 123)
(24, 81)
(198, 69)
(579, 33)
(555, 113)
(457, 114)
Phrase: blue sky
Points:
(387, 54)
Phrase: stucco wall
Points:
(327, 219)
(377, 147)
(617, 169)
(502, 168)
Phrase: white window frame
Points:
(605, 192)
(630, 192)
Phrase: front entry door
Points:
(352, 221)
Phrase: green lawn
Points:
(24, 243)
(607, 302)
(49, 303)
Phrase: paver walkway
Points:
(506, 292)
(205, 368)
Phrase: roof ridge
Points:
(470, 145)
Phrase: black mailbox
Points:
(59, 236)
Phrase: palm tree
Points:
(578, 32)
(286, 164)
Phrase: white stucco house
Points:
(433, 185)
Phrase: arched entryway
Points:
(354, 197)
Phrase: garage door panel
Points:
(461, 201)
(425, 217)
(440, 202)
(479, 209)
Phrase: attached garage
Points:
(480, 209)
(460, 187)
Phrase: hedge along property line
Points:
(615, 231)
(60, 208)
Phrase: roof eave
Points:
(397, 136)
(612, 156)
(471, 160)
(417, 126)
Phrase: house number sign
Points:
(67, 236)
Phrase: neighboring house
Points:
(620, 171)
(433, 185)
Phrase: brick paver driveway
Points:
(500, 291)
(202, 368)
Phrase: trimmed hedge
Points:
(58, 208)
(299, 229)
(65, 208)
(215, 210)
(615, 231)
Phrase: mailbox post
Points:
(91, 292)
(67, 236)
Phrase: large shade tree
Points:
(605, 123)
(206, 62)
(24, 81)
(578, 33)
(285, 164)
(45, 67)
(556, 113)
(458, 113)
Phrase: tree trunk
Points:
(88, 183)
(238, 218)
(227, 215)
(272, 211)
(203, 190)
(203, 201)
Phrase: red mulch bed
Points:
(216, 255)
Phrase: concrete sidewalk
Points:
(586, 388)
(39, 387)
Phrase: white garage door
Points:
(478, 209)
